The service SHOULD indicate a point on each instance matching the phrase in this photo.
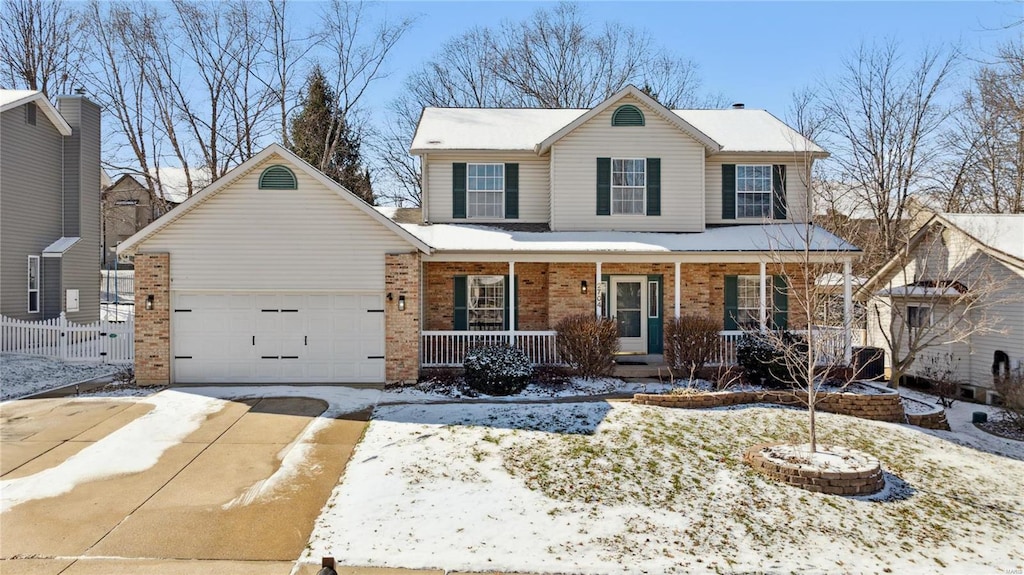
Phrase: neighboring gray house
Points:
(49, 206)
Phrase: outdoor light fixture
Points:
(390, 297)
(583, 286)
(149, 302)
(401, 303)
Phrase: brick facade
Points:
(402, 328)
(153, 327)
(549, 292)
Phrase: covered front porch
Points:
(470, 300)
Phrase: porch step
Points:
(647, 370)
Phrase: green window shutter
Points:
(516, 298)
(627, 115)
(728, 192)
(655, 325)
(780, 302)
(512, 191)
(779, 191)
(653, 186)
(604, 186)
(461, 300)
(458, 190)
(277, 178)
(732, 296)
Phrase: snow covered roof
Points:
(759, 238)
(836, 279)
(10, 99)
(57, 248)
(1002, 232)
(522, 129)
(920, 291)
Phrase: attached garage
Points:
(273, 274)
(277, 338)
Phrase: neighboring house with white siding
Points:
(628, 210)
(957, 292)
(49, 206)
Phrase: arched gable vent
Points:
(278, 178)
(627, 115)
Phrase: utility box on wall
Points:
(71, 300)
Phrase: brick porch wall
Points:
(532, 285)
(550, 292)
(153, 327)
(402, 328)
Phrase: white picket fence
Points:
(58, 338)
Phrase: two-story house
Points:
(49, 206)
(127, 207)
(628, 210)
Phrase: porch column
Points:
(763, 311)
(677, 290)
(512, 303)
(597, 289)
(847, 314)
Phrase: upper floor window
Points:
(278, 178)
(33, 284)
(919, 316)
(485, 190)
(627, 115)
(754, 191)
(629, 185)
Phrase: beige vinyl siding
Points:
(534, 183)
(244, 238)
(574, 167)
(796, 184)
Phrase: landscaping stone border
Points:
(880, 407)
(932, 420)
(818, 481)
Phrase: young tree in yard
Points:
(321, 135)
(41, 46)
(939, 289)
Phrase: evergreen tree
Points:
(321, 135)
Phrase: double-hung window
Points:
(629, 185)
(919, 316)
(486, 305)
(754, 191)
(485, 191)
(748, 301)
(33, 284)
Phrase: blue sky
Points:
(754, 52)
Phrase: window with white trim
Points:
(629, 185)
(754, 191)
(485, 191)
(748, 301)
(33, 284)
(919, 316)
(486, 305)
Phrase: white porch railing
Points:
(102, 341)
(829, 340)
(449, 348)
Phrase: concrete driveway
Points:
(191, 511)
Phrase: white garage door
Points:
(268, 338)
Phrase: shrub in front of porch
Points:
(768, 359)
(587, 344)
(498, 370)
(691, 341)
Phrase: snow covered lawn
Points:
(22, 375)
(620, 488)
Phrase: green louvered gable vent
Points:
(278, 178)
(628, 115)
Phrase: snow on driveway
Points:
(610, 488)
(22, 375)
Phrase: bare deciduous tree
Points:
(41, 45)
(884, 119)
